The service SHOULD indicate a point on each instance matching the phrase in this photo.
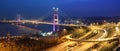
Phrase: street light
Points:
(64, 31)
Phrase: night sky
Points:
(73, 8)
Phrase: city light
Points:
(69, 25)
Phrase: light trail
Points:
(36, 22)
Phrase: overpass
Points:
(100, 40)
(100, 37)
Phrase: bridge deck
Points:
(35, 22)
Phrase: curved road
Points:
(63, 46)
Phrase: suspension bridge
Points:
(55, 21)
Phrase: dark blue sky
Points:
(73, 8)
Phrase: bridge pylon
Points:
(55, 19)
(18, 19)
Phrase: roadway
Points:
(97, 38)
(63, 46)
(86, 45)
(35, 22)
(82, 46)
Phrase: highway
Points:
(86, 45)
(82, 44)
(63, 46)
(99, 37)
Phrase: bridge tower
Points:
(55, 19)
(18, 19)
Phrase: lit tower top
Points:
(55, 16)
